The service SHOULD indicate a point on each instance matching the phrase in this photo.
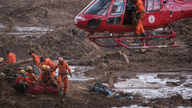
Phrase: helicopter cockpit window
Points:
(118, 7)
(100, 7)
(153, 5)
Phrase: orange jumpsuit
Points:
(31, 77)
(46, 78)
(36, 61)
(62, 75)
(49, 63)
(11, 58)
(140, 9)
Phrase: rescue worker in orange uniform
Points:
(30, 75)
(11, 57)
(63, 67)
(36, 60)
(139, 7)
(46, 61)
(46, 78)
(21, 82)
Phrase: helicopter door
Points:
(165, 13)
(115, 16)
(152, 17)
(175, 11)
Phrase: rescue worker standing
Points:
(21, 82)
(36, 60)
(46, 61)
(11, 57)
(139, 7)
(63, 67)
(46, 78)
(32, 79)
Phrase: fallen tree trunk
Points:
(19, 63)
(176, 70)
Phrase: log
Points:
(176, 70)
(125, 57)
(19, 63)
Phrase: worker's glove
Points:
(70, 75)
(41, 83)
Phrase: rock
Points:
(12, 102)
(143, 50)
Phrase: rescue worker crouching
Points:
(30, 75)
(139, 7)
(21, 82)
(46, 61)
(36, 60)
(46, 78)
(11, 57)
(63, 67)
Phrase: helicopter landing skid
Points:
(145, 40)
(144, 45)
(94, 39)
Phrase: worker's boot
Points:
(136, 36)
(143, 35)
(136, 40)
(64, 94)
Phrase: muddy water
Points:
(149, 86)
(77, 72)
(26, 31)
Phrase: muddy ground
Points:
(64, 39)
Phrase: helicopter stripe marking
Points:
(160, 46)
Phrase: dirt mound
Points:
(63, 43)
(40, 12)
(183, 30)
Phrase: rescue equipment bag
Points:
(35, 89)
(38, 89)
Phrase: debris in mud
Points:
(178, 97)
(129, 76)
(171, 76)
(172, 84)
(12, 102)
(99, 88)
(110, 78)
(188, 85)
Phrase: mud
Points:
(113, 65)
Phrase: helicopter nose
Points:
(79, 21)
(87, 22)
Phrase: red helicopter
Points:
(116, 16)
